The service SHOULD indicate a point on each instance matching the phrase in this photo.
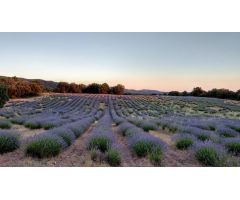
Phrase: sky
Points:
(161, 61)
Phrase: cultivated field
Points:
(108, 130)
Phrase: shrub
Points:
(203, 137)
(235, 127)
(4, 124)
(8, 142)
(132, 131)
(32, 125)
(146, 145)
(156, 156)
(148, 126)
(142, 148)
(66, 134)
(184, 140)
(209, 153)
(227, 132)
(100, 142)
(48, 126)
(18, 120)
(3, 95)
(78, 131)
(184, 143)
(233, 146)
(124, 127)
(113, 158)
(43, 148)
(207, 156)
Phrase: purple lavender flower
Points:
(227, 132)
(209, 153)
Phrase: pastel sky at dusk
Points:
(162, 61)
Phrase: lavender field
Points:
(109, 130)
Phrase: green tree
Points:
(198, 92)
(3, 95)
(118, 89)
(104, 88)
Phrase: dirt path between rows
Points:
(174, 157)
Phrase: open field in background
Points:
(109, 130)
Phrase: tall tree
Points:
(118, 89)
(104, 88)
(3, 95)
(63, 87)
(198, 92)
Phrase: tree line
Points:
(17, 88)
(93, 88)
(214, 93)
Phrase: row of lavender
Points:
(140, 142)
(55, 111)
(214, 137)
(209, 137)
(65, 123)
(103, 143)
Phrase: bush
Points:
(113, 158)
(144, 144)
(156, 156)
(143, 148)
(33, 125)
(8, 142)
(148, 126)
(18, 120)
(66, 134)
(122, 128)
(3, 95)
(232, 145)
(184, 143)
(132, 131)
(210, 154)
(43, 148)
(227, 132)
(78, 130)
(48, 126)
(4, 124)
(100, 142)
(203, 137)
(207, 156)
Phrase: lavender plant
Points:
(45, 146)
(9, 141)
(184, 140)
(5, 124)
(209, 154)
(232, 145)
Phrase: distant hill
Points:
(46, 84)
(143, 92)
